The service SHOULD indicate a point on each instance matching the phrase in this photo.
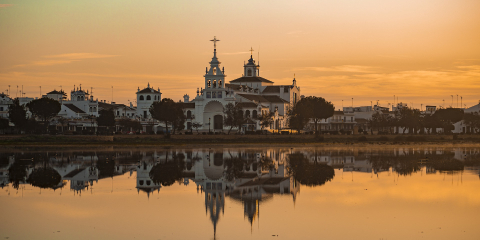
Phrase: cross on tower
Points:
(251, 51)
(214, 40)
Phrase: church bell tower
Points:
(214, 77)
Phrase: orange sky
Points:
(422, 51)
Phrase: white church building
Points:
(256, 95)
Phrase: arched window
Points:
(249, 72)
(247, 113)
(208, 83)
(189, 114)
(214, 83)
(254, 113)
(78, 98)
(220, 83)
(141, 98)
(149, 98)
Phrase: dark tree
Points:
(44, 109)
(431, 122)
(315, 109)
(449, 116)
(472, 120)
(296, 119)
(196, 125)
(409, 119)
(266, 120)
(233, 116)
(167, 111)
(4, 123)
(130, 125)
(106, 118)
(310, 174)
(17, 114)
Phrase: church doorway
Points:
(218, 122)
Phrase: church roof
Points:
(188, 105)
(148, 90)
(251, 79)
(74, 108)
(275, 89)
(247, 105)
(275, 99)
(263, 98)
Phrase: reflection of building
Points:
(81, 178)
(144, 182)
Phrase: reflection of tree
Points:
(315, 174)
(106, 168)
(168, 172)
(446, 164)
(234, 168)
(45, 177)
(17, 172)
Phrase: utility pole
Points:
(461, 101)
(457, 100)
(112, 93)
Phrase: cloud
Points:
(65, 59)
(235, 53)
(5, 5)
(81, 56)
(343, 68)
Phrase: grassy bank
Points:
(229, 139)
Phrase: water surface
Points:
(394, 192)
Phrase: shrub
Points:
(362, 139)
(399, 139)
(383, 138)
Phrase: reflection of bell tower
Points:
(251, 209)
(214, 202)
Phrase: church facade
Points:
(255, 94)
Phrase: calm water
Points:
(407, 192)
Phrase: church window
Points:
(94, 109)
(118, 113)
(209, 185)
(78, 98)
(189, 114)
(141, 98)
(214, 94)
(247, 113)
(219, 94)
(208, 95)
(249, 72)
(189, 125)
(208, 83)
(140, 182)
(214, 71)
(149, 98)
(220, 83)
(254, 114)
(148, 182)
(214, 83)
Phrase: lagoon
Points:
(248, 192)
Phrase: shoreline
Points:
(248, 140)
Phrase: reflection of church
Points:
(208, 170)
(255, 94)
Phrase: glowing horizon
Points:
(421, 52)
